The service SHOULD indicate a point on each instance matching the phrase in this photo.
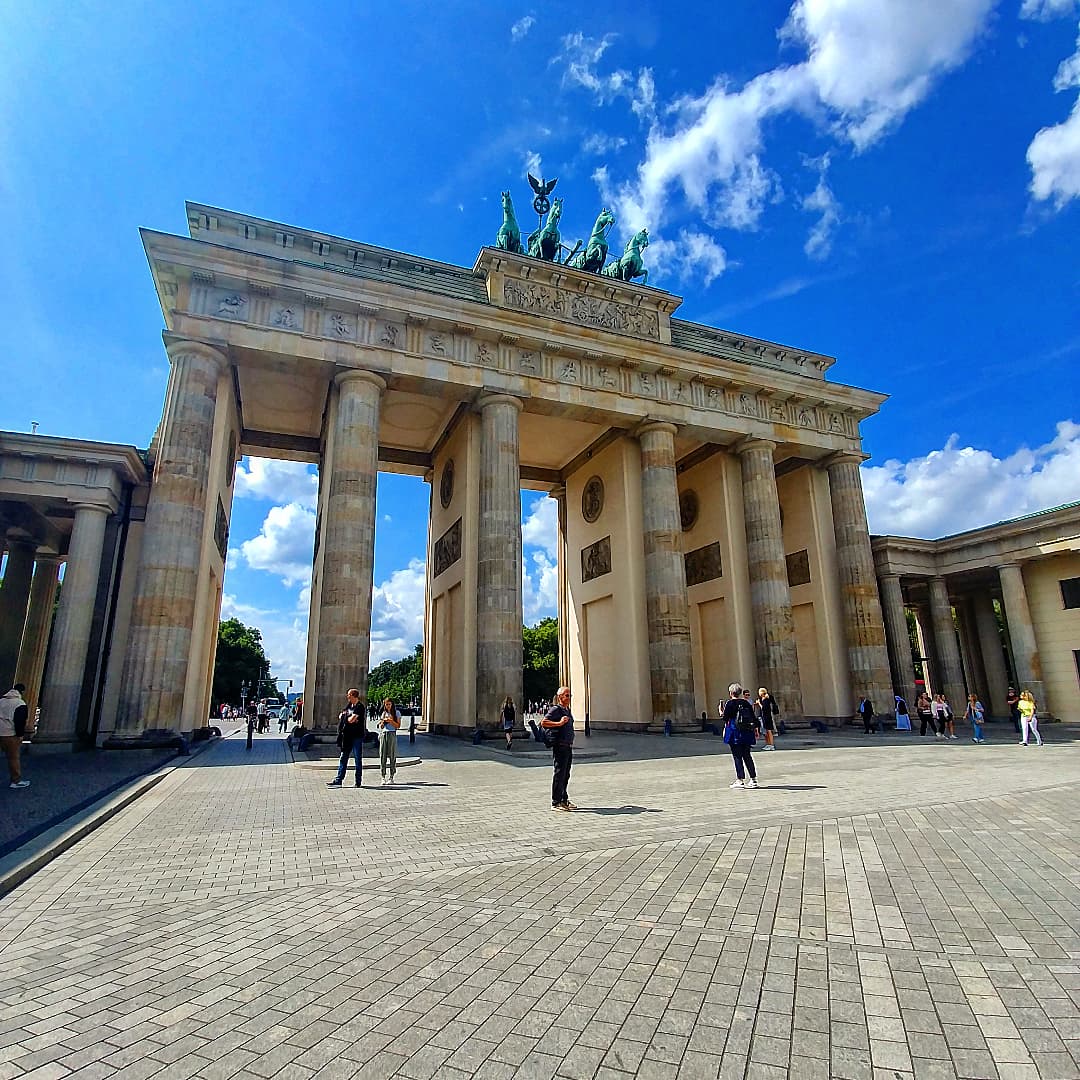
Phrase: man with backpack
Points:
(13, 716)
(740, 733)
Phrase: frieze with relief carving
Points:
(586, 310)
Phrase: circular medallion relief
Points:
(446, 484)
(592, 499)
(688, 509)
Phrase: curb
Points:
(22, 863)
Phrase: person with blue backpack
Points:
(740, 733)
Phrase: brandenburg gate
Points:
(711, 517)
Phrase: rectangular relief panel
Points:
(448, 548)
(703, 564)
(798, 568)
(596, 559)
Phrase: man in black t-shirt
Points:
(559, 724)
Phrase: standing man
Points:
(13, 717)
(866, 711)
(559, 723)
(1013, 701)
(740, 733)
(351, 732)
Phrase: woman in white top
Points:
(387, 727)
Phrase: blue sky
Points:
(895, 183)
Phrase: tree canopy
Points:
(400, 680)
(240, 660)
(540, 660)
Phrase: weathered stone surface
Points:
(770, 596)
(666, 606)
(39, 621)
(159, 639)
(1022, 634)
(14, 598)
(498, 600)
(950, 674)
(899, 644)
(71, 637)
(348, 543)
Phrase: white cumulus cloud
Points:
(694, 256)
(539, 587)
(397, 613)
(284, 544)
(1044, 10)
(541, 526)
(961, 487)
(284, 637)
(279, 481)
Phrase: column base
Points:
(151, 739)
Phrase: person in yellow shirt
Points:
(1029, 721)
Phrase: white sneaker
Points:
(751, 783)
(738, 783)
(383, 782)
(19, 784)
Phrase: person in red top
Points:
(559, 724)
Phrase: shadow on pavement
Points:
(608, 811)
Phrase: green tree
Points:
(540, 660)
(240, 660)
(401, 680)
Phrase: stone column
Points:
(348, 545)
(62, 691)
(498, 559)
(559, 495)
(970, 653)
(997, 677)
(159, 638)
(14, 597)
(896, 634)
(39, 620)
(667, 610)
(770, 596)
(864, 628)
(1025, 650)
(931, 669)
(951, 674)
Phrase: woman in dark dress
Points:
(766, 709)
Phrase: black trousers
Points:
(742, 757)
(563, 757)
(924, 719)
(869, 724)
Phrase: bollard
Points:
(588, 727)
(250, 726)
(667, 727)
(478, 737)
(412, 728)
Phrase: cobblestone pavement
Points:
(888, 910)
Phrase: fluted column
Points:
(62, 692)
(39, 620)
(997, 677)
(348, 545)
(13, 600)
(559, 495)
(896, 634)
(159, 638)
(951, 674)
(671, 671)
(864, 627)
(770, 596)
(498, 565)
(1025, 650)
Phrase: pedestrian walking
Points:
(866, 711)
(903, 717)
(559, 723)
(350, 739)
(975, 712)
(766, 709)
(924, 711)
(1012, 699)
(1029, 720)
(508, 716)
(283, 719)
(740, 733)
(950, 719)
(941, 715)
(387, 726)
(14, 715)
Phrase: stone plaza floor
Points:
(879, 908)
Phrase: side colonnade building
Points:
(710, 508)
(994, 607)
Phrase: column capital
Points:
(888, 577)
(99, 507)
(180, 346)
(752, 442)
(1012, 564)
(497, 397)
(844, 457)
(648, 425)
(349, 374)
(557, 492)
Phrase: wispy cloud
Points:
(521, 28)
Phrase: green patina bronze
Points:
(596, 250)
(509, 236)
(546, 243)
(629, 265)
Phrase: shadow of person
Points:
(791, 787)
(608, 811)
